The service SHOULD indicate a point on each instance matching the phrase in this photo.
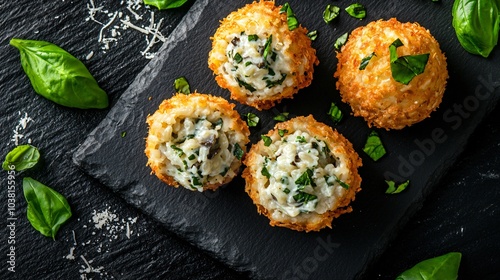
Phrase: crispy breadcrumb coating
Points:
(238, 50)
(304, 176)
(373, 93)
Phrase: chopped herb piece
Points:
(179, 151)
(265, 172)
(237, 57)
(219, 122)
(356, 10)
(282, 132)
(253, 37)
(248, 63)
(306, 179)
(165, 4)
(312, 35)
(290, 16)
(392, 189)
(252, 119)
(190, 136)
(407, 67)
(192, 156)
(374, 147)
(224, 172)
(196, 181)
(123, 134)
(335, 113)
(326, 150)
(342, 183)
(340, 41)
(271, 72)
(286, 190)
(271, 84)
(267, 140)
(331, 12)
(181, 85)
(268, 48)
(284, 180)
(301, 139)
(238, 151)
(245, 85)
(303, 197)
(365, 61)
(274, 56)
(281, 117)
(185, 165)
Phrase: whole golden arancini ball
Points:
(258, 58)
(372, 92)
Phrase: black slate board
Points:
(225, 223)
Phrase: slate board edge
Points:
(189, 21)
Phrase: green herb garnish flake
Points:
(290, 16)
(238, 58)
(335, 113)
(252, 119)
(265, 172)
(179, 151)
(393, 189)
(268, 48)
(340, 41)
(245, 85)
(356, 10)
(181, 85)
(312, 35)
(301, 139)
(286, 190)
(303, 197)
(341, 183)
(365, 61)
(253, 37)
(282, 132)
(267, 140)
(306, 179)
(238, 151)
(407, 67)
(331, 12)
(374, 147)
(281, 117)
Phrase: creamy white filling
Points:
(303, 176)
(247, 68)
(199, 152)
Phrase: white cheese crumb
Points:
(22, 124)
(71, 255)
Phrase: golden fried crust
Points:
(263, 18)
(181, 106)
(338, 145)
(372, 93)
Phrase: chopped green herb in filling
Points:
(267, 140)
(282, 132)
(238, 151)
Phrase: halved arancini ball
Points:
(373, 93)
(302, 175)
(258, 59)
(196, 141)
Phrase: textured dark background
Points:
(462, 213)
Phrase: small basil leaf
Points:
(252, 119)
(365, 61)
(374, 147)
(290, 16)
(442, 267)
(267, 140)
(165, 4)
(340, 41)
(282, 132)
(407, 67)
(477, 25)
(22, 157)
(182, 85)
(312, 35)
(356, 10)
(335, 113)
(303, 197)
(246, 85)
(47, 209)
(392, 189)
(268, 48)
(238, 151)
(58, 76)
(281, 117)
(331, 12)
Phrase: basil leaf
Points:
(268, 48)
(290, 16)
(335, 113)
(267, 140)
(181, 85)
(476, 25)
(253, 37)
(301, 139)
(442, 267)
(407, 67)
(238, 58)
(341, 183)
(245, 85)
(22, 157)
(179, 151)
(281, 117)
(340, 41)
(374, 147)
(238, 151)
(392, 189)
(356, 10)
(306, 179)
(265, 172)
(252, 119)
(303, 197)
(47, 209)
(165, 4)
(331, 12)
(282, 132)
(312, 35)
(58, 76)
(280, 81)
(365, 61)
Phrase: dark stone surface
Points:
(466, 198)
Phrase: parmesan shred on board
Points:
(131, 15)
(18, 130)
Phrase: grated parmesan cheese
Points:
(21, 125)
